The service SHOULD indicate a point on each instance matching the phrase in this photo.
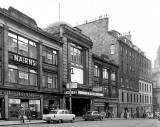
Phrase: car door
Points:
(96, 115)
(67, 115)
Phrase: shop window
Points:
(49, 80)
(22, 46)
(32, 50)
(76, 55)
(50, 56)
(33, 78)
(13, 73)
(12, 42)
(13, 108)
(22, 75)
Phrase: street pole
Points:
(70, 98)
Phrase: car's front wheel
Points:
(101, 118)
(48, 121)
(59, 121)
(72, 121)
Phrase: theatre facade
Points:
(30, 66)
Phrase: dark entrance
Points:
(1, 108)
(80, 106)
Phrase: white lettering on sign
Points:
(24, 60)
(90, 93)
(85, 93)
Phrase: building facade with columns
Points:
(30, 66)
(77, 68)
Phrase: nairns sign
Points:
(24, 60)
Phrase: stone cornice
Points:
(75, 34)
(6, 14)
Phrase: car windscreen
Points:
(89, 113)
(53, 112)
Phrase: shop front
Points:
(50, 102)
(14, 100)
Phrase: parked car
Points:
(156, 115)
(149, 115)
(103, 114)
(92, 115)
(59, 115)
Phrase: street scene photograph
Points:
(79, 63)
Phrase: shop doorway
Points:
(25, 103)
(51, 105)
(80, 106)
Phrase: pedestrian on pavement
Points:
(21, 114)
(28, 114)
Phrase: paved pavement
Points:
(105, 123)
(6, 122)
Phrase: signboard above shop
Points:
(72, 85)
(86, 93)
(22, 59)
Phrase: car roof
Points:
(59, 110)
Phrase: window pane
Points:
(23, 76)
(12, 44)
(22, 39)
(54, 81)
(32, 50)
(50, 81)
(33, 79)
(112, 49)
(22, 48)
(44, 81)
(76, 55)
(54, 57)
(13, 75)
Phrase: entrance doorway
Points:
(80, 106)
(1, 108)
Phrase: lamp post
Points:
(70, 90)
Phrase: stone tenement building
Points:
(134, 75)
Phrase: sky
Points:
(140, 17)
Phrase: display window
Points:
(22, 45)
(29, 105)
(22, 75)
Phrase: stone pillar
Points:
(6, 105)
(92, 104)
(63, 102)
(39, 63)
(41, 105)
(5, 77)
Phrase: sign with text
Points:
(22, 59)
(87, 93)
(72, 85)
